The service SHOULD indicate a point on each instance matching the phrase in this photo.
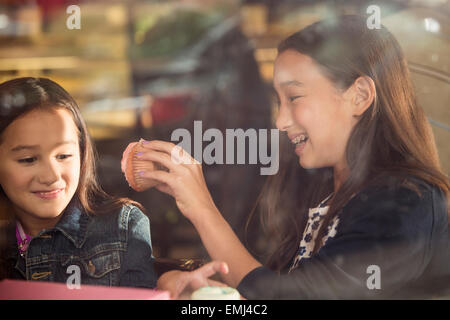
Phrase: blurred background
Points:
(145, 68)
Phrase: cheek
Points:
(72, 173)
(329, 130)
(334, 138)
(14, 178)
(303, 115)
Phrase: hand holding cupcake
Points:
(171, 170)
(133, 167)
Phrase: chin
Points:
(49, 211)
(47, 214)
(309, 165)
(305, 164)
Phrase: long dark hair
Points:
(20, 96)
(392, 137)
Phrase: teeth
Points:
(300, 138)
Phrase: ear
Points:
(364, 93)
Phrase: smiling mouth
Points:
(50, 194)
(299, 140)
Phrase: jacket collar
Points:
(73, 223)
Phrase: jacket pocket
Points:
(101, 264)
(98, 266)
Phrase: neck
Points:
(33, 226)
(340, 175)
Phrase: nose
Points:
(284, 118)
(48, 173)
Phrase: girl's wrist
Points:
(205, 217)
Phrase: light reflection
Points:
(4, 21)
(431, 25)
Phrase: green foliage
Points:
(172, 33)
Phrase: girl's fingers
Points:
(181, 285)
(159, 145)
(174, 282)
(164, 188)
(159, 157)
(158, 175)
(212, 268)
(178, 281)
(201, 275)
(177, 154)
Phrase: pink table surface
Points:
(39, 290)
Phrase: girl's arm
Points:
(222, 244)
(185, 182)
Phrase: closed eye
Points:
(63, 156)
(27, 160)
(293, 98)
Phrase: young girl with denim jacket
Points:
(56, 218)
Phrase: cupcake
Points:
(131, 166)
(216, 293)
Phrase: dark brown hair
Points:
(22, 95)
(392, 137)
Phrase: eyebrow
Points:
(292, 83)
(34, 147)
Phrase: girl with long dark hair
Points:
(359, 208)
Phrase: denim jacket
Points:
(112, 250)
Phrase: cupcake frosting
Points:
(216, 293)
